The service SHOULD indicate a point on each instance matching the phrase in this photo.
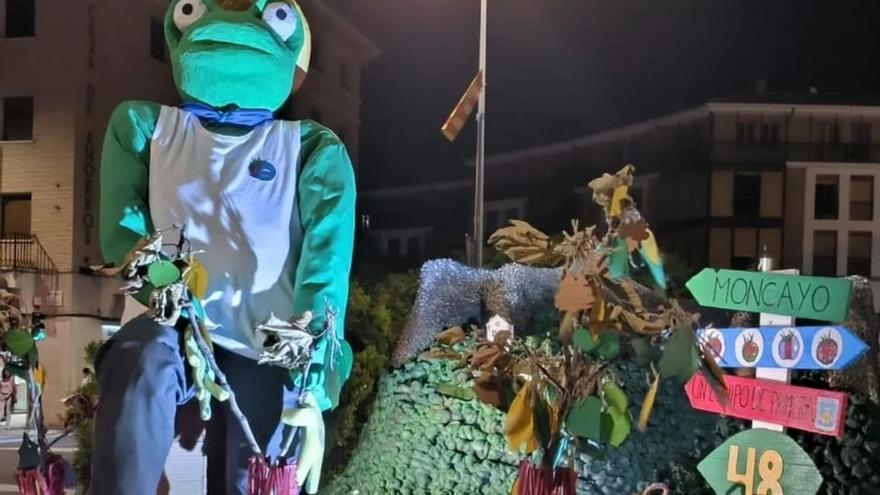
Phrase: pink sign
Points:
(802, 408)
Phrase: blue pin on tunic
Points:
(262, 170)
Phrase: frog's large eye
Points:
(281, 17)
(187, 12)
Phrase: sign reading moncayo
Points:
(817, 298)
(802, 408)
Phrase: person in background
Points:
(7, 395)
(88, 377)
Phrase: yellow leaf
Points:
(40, 376)
(620, 193)
(519, 428)
(648, 405)
(650, 249)
(197, 279)
(597, 316)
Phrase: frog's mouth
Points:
(242, 35)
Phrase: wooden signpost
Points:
(802, 348)
(802, 408)
(816, 298)
(760, 462)
(763, 460)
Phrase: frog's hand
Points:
(326, 195)
(125, 161)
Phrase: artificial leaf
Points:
(609, 345)
(651, 255)
(618, 259)
(490, 389)
(648, 404)
(615, 396)
(714, 373)
(680, 357)
(519, 427)
(440, 354)
(40, 376)
(566, 327)
(574, 294)
(525, 244)
(597, 315)
(486, 357)
(19, 342)
(543, 422)
(644, 352)
(620, 194)
(603, 187)
(583, 340)
(584, 419)
(163, 273)
(635, 230)
(451, 336)
(455, 391)
(616, 426)
(196, 278)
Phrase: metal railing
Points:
(24, 252)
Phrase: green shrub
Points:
(377, 313)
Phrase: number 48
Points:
(769, 470)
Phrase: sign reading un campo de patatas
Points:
(816, 298)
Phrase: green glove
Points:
(202, 375)
(311, 457)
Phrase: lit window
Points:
(16, 214)
(20, 18)
(858, 261)
(825, 253)
(17, 121)
(861, 197)
(746, 195)
(745, 244)
(826, 197)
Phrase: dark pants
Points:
(146, 402)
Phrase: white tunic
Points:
(246, 223)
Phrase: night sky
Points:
(563, 68)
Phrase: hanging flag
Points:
(463, 110)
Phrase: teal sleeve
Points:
(326, 196)
(125, 157)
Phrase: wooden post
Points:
(766, 319)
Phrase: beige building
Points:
(63, 67)
(795, 172)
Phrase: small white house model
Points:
(496, 325)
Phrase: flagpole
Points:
(481, 145)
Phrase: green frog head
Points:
(243, 53)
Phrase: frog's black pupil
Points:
(187, 9)
(281, 14)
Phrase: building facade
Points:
(64, 66)
(795, 174)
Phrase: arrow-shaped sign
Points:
(760, 462)
(816, 298)
(802, 348)
(802, 408)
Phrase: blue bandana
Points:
(235, 116)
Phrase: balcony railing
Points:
(24, 252)
(795, 152)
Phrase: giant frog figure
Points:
(269, 204)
